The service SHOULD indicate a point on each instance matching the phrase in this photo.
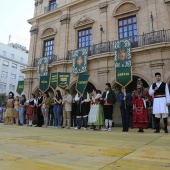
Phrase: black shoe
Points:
(20, 124)
(166, 131)
(157, 131)
(141, 131)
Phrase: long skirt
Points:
(10, 113)
(96, 116)
(140, 117)
(30, 113)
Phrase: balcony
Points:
(50, 8)
(51, 59)
(136, 41)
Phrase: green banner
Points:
(53, 81)
(63, 80)
(79, 61)
(82, 83)
(44, 83)
(42, 69)
(124, 76)
(20, 87)
(122, 52)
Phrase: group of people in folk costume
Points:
(158, 92)
(94, 112)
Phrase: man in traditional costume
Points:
(161, 101)
(83, 108)
(139, 99)
(125, 100)
(39, 110)
(109, 99)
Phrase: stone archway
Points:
(89, 88)
(50, 91)
(132, 86)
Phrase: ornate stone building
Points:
(60, 26)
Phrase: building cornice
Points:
(14, 61)
(57, 10)
(167, 1)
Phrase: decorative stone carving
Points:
(103, 7)
(36, 3)
(34, 30)
(125, 7)
(157, 65)
(48, 31)
(83, 21)
(40, 1)
(65, 19)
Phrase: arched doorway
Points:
(89, 88)
(130, 88)
(50, 91)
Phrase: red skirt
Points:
(140, 117)
(30, 113)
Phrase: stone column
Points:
(28, 87)
(64, 33)
(32, 51)
(103, 20)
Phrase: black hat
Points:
(157, 74)
(108, 84)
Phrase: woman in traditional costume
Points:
(31, 109)
(22, 110)
(140, 116)
(96, 117)
(16, 107)
(10, 111)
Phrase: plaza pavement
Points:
(32, 148)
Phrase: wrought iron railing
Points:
(50, 8)
(136, 41)
(51, 59)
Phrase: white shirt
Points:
(152, 91)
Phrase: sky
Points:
(13, 21)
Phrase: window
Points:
(21, 67)
(12, 56)
(21, 59)
(2, 87)
(14, 65)
(13, 76)
(6, 63)
(21, 78)
(48, 48)
(4, 53)
(4, 74)
(128, 28)
(52, 5)
(85, 38)
(12, 87)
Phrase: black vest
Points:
(39, 100)
(161, 89)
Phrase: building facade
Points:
(60, 26)
(13, 59)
